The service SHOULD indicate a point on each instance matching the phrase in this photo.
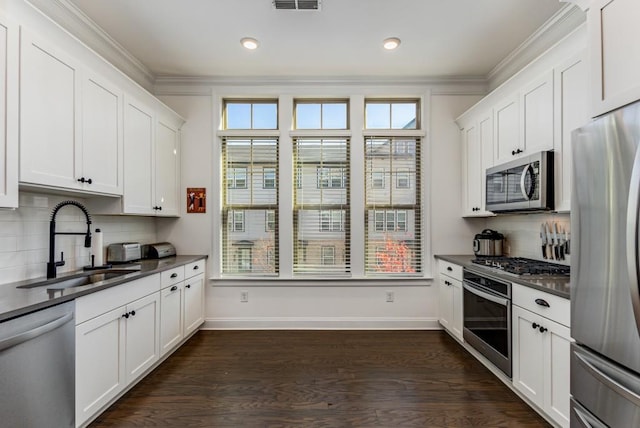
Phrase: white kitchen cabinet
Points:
(151, 150)
(193, 303)
(507, 129)
(117, 340)
(9, 121)
(571, 111)
(171, 327)
(614, 53)
(450, 297)
(536, 110)
(70, 122)
(478, 155)
(541, 357)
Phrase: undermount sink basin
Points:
(79, 280)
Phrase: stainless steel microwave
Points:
(525, 184)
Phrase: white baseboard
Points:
(301, 323)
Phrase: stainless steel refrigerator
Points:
(605, 271)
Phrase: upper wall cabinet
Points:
(478, 156)
(614, 53)
(70, 122)
(507, 129)
(152, 161)
(9, 56)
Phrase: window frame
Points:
(252, 102)
(322, 102)
(391, 102)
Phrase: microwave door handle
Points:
(633, 204)
(527, 193)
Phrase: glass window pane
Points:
(238, 116)
(308, 116)
(265, 116)
(334, 116)
(378, 116)
(403, 115)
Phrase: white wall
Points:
(322, 304)
(24, 235)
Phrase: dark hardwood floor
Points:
(320, 379)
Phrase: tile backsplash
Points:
(522, 233)
(24, 235)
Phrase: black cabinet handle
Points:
(449, 268)
(516, 152)
(196, 267)
(542, 329)
(174, 288)
(188, 285)
(447, 283)
(85, 180)
(125, 315)
(543, 302)
(174, 275)
(133, 313)
(534, 326)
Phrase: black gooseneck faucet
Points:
(52, 265)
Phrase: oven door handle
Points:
(484, 295)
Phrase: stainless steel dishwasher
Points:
(37, 368)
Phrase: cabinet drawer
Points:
(195, 268)
(172, 276)
(559, 309)
(450, 269)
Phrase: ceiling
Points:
(440, 38)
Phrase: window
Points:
(402, 179)
(250, 206)
(268, 178)
(244, 114)
(321, 205)
(393, 219)
(377, 179)
(310, 114)
(328, 255)
(237, 178)
(401, 114)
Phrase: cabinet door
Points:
(571, 111)
(446, 302)
(100, 368)
(142, 341)
(472, 168)
(48, 105)
(9, 57)
(193, 303)
(536, 105)
(507, 129)
(170, 317)
(558, 354)
(615, 57)
(485, 140)
(528, 355)
(456, 308)
(101, 149)
(138, 155)
(167, 173)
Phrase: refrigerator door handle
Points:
(633, 204)
(605, 376)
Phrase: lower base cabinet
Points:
(193, 303)
(541, 362)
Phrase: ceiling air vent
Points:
(297, 4)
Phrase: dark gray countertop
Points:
(560, 286)
(19, 301)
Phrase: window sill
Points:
(322, 282)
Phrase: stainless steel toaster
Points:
(123, 252)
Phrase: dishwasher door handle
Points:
(35, 332)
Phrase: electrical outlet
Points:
(389, 295)
(244, 296)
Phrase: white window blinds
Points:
(250, 206)
(392, 198)
(321, 214)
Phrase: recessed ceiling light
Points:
(249, 43)
(391, 43)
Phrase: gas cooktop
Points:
(523, 266)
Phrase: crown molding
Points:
(551, 32)
(78, 24)
(582, 4)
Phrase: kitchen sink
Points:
(80, 279)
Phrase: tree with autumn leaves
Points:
(396, 257)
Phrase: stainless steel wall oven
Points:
(487, 317)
